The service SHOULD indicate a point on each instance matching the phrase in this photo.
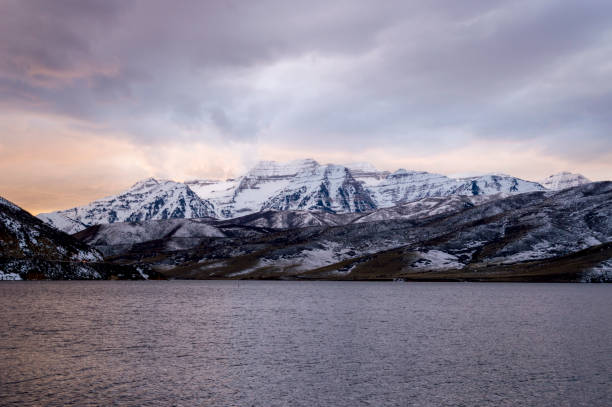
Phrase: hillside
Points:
(31, 249)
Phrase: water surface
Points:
(261, 343)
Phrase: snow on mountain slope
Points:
(422, 208)
(247, 194)
(30, 248)
(495, 183)
(329, 188)
(292, 219)
(8, 204)
(147, 238)
(61, 221)
(147, 199)
(564, 180)
(426, 207)
(406, 186)
(219, 193)
(138, 232)
(296, 185)
(23, 236)
(356, 187)
(366, 173)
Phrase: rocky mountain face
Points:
(359, 187)
(31, 249)
(297, 185)
(564, 180)
(294, 186)
(538, 236)
(329, 188)
(145, 200)
(407, 186)
(27, 246)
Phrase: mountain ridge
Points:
(146, 199)
(296, 185)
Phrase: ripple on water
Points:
(304, 343)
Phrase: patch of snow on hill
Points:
(437, 260)
(600, 273)
(9, 276)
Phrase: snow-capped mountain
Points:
(329, 188)
(147, 199)
(296, 185)
(564, 180)
(247, 194)
(357, 187)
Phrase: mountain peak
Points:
(361, 167)
(401, 172)
(280, 169)
(564, 179)
(147, 182)
(292, 163)
(149, 199)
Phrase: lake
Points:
(281, 343)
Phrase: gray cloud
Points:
(345, 74)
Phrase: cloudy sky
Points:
(95, 95)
